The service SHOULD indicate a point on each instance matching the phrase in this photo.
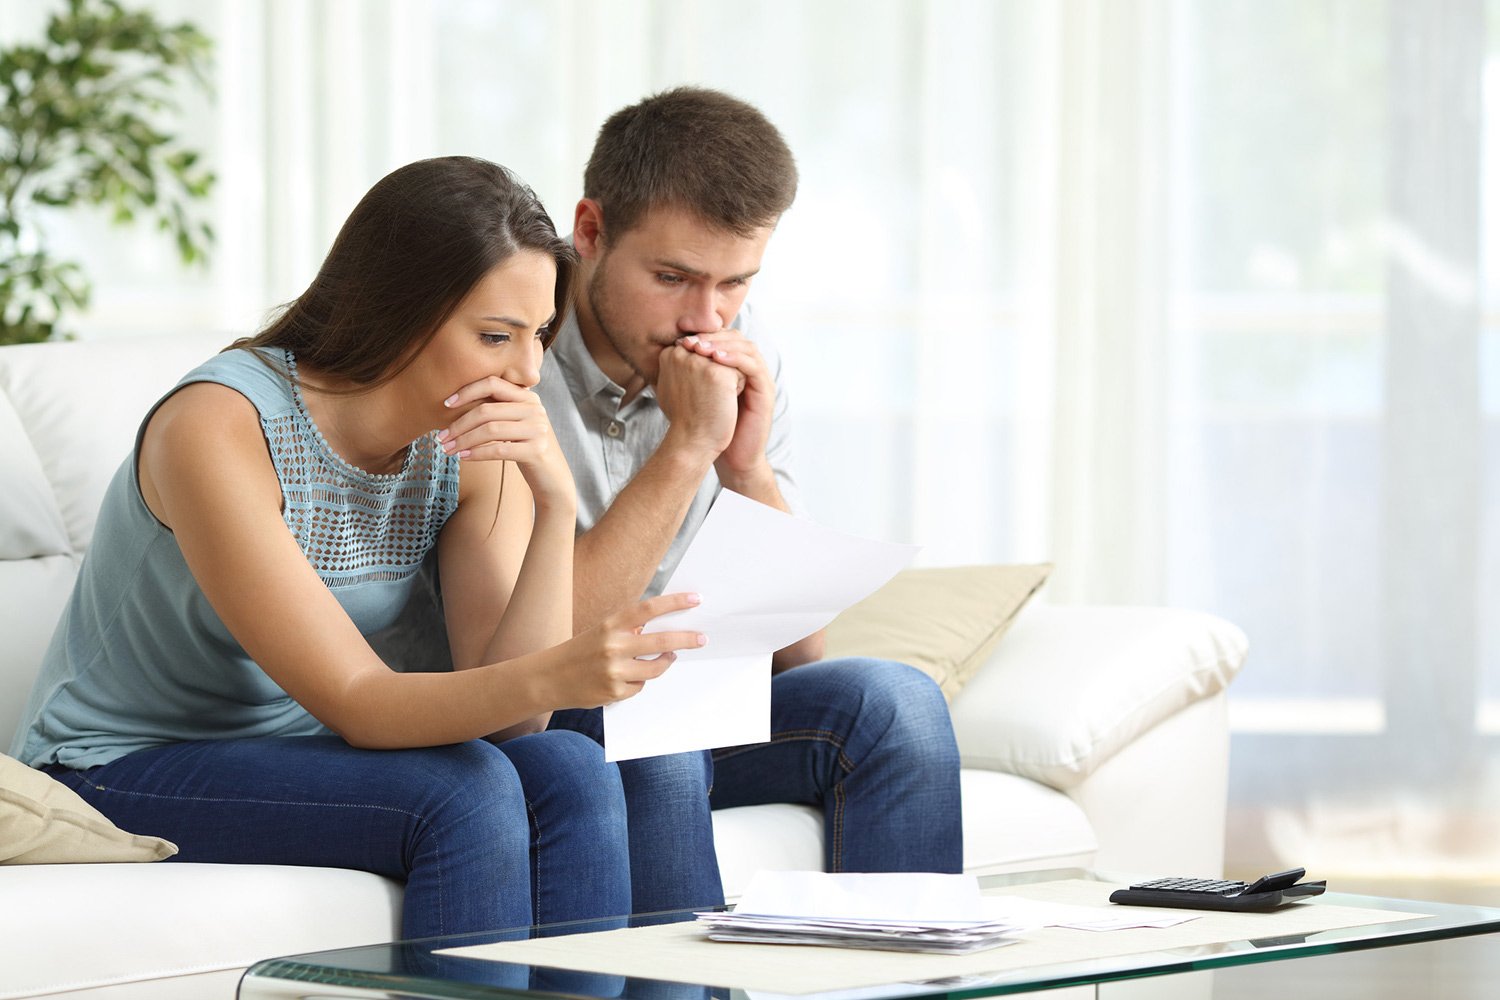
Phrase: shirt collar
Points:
(585, 378)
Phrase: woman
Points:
(210, 681)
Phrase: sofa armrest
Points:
(1069, 687)
(1158, 807)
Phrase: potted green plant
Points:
(85, 120)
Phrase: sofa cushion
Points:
(81, 926)
(31, 522)
(32, 595)
(44, 822)
(1009, 823)
(944, 621)
(1016, 824)
(41, 383)
(1071, 686)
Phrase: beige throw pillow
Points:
(943, 621)
(43, 821)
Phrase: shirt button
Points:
(613, 429)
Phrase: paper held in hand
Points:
(767, 579)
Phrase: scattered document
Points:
(891, 912)
(1031, 913)
(906, 911)
(923, 896)
(943, 940)
(767, 579)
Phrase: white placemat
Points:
(679, 952)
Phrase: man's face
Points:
(669, 276)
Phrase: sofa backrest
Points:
(68, 416)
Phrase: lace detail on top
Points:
(356, 526)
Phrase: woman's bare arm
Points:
(206, 474)
(507, 573)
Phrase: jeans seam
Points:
(838, 828)
(835, 836)
(792, 735)
(269, 802)
(536, 864)
(437, 866)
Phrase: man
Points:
(661, 396)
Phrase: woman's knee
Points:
(461, 783)
(569, 768)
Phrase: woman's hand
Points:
(502, 421)
(604, 664)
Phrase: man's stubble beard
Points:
(600, 306)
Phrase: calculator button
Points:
(1213, 887)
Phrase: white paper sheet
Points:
(767, 579)
(929, 899)
(899, 911)
(923, 897)
(669, 716)
(1034, 913)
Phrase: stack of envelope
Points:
(890, 911)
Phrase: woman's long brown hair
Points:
(413, 247)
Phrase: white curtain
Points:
(1196, 299)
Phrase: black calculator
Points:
(1265, 893)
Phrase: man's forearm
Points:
(758, 484)
(614, 561)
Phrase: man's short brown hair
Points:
(692, 148)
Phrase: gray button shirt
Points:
(606, 443)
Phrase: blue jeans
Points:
(672, 861)
(484, 836)
(871, 743)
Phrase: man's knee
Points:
(885, 686)
(589, 721)
(679, 776)
(898, 704)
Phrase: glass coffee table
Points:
(424, 969)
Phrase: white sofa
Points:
(1091, 736)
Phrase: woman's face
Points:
(496, 330)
